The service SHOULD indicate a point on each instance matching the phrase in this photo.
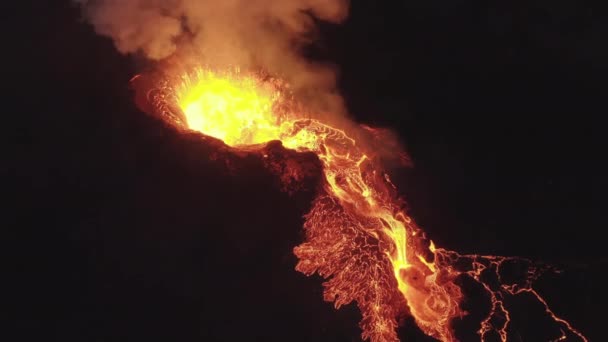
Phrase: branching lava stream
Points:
(358, 237)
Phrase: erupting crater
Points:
(358, 236)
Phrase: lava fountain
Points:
(358, 236)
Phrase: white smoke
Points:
(265, 34)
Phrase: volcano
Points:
(358, 234)
(122, 226)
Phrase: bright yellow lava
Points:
(241, 110)
(237, 110)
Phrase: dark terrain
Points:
(121, 229)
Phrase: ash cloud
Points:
(260, 34)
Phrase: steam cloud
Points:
(263, 34)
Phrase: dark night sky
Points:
(118, 230)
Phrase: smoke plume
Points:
(259, 34)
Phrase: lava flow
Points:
(358, 237)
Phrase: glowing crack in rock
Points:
(358, 236)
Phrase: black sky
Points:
(118, 230)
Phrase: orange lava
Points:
(358, 236)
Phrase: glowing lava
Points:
(357, 235)
(207, 101)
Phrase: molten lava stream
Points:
(357, 236)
